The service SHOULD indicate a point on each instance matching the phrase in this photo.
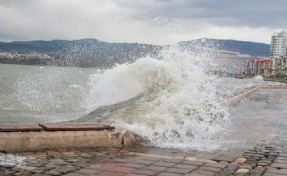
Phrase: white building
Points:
(278, 44)
(278, 50)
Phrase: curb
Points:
(237, 99)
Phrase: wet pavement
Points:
(261, 160)
(260, 118)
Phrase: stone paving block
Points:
(133, 165)
(163, 164)
(279, 165)
(280, 161)
(186, 166)
(148, 158)
(231, 167)
(25, 168)
(191, 158)
(205, 155)
(216, 165)
(178, 170)
(168, 174)
(117, 169)
(277, 171)
(207, 161)
(195, 163)
(156, 168)
(256, 172)
(281, 158)
(121, 160)
(141, 161)
(36, 171)
(225, 157)
(146, 172)
(172, 160)
(210, 169)
(242, 172)
(201, 173)
(179, 157)
(283, 155)
(269, 174)
(225, 173)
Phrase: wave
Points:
(170, 100)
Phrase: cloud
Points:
(146, 21)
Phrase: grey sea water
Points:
(41, 94)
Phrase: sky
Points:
(143, 21)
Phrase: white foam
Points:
(180, 108)
(11, 160)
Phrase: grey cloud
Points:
(150, 21)
(254, 13)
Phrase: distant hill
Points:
(95, 53)
(84, 52)
(244, 47)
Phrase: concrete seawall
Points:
(236, 99)
(17, 138)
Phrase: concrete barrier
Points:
(236, 99)
(27, 141)
(40, 140)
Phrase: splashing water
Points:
(11, 160)
(171, 100)
(259, 78)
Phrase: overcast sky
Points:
(144, 21)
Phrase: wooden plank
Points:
(75, 127)
(20, 128)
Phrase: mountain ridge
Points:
(95, 53)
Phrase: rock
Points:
(240, 160)
(128, 139)
(240, 171)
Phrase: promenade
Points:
(258, 148)
(261, 160)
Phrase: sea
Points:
(174, 101)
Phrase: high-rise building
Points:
(278, 53)
(278, 44)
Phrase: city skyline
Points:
(152, 21)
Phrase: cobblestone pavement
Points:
(262, 160)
